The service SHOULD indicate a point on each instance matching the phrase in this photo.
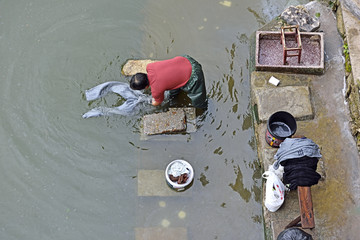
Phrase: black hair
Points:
(139, 81)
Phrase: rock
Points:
(353, 7)
(172, 121)
(132, 67)
(340, 22)
(293, 99)
(300, 16)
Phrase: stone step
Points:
(291, 95)
(170, 125)
(152, 183)
(162, 212)
(172, 121)
(292, 99)
(131, 67)
(156, 233)
(154, 204)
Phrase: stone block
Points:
(171, 121)
(190, 114)
(292, 99)
(153, 183)
(261, 79)
(353, 39)
(132, 67)
(156, 233)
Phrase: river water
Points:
(64, 177)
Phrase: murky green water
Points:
(63, 177)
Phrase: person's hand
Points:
(155, 103)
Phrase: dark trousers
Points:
(195, 87)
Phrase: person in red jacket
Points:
(179, 73)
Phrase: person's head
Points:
(139, 81)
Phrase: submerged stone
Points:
(155, 233)
(152, 183)
(132, 67)
(172, 121)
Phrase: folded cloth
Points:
(300, 172)
(292, 148)
(134, 99)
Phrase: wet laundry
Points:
(296, 148)
(299, 157)
(300, 172)
(179, 173)
(135, 99)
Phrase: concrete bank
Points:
(319, 105)
(348, 15)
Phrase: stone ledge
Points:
(292, 99)
(276, 221)
(348, 26)
(153, 183)
(178, 134)
(132, 67)
(171, 121)
(156, 233)
(261, 79)
(325, 217)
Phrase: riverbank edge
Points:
(352, 67)
(348, 27)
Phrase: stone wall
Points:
(352, 84)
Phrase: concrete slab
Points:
(191, 126)
(288, 212)
(153, 183)
(261, 79)
(352, 33)
(156, 233)
(171, 121)
(267, 152)
(292, 99)
(190, 114)
(276, 222)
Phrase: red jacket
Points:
(168, 75)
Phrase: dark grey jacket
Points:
(292, 148)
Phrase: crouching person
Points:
(179, 73)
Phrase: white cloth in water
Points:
(134, 99)
(177, 169)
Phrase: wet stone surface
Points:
(153, 183)
(172, 121)
(292, 99)
(132, 67)
(155, 233)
